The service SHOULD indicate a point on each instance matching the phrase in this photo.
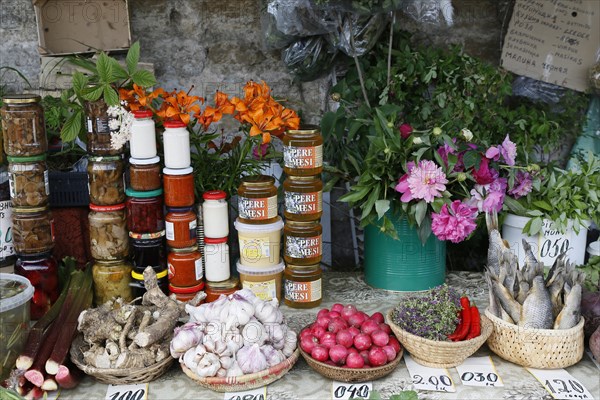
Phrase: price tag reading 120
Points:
(561, 384)
(425, 378)
(345, 391)
(479, 371)
(254, 394)
(127, 392)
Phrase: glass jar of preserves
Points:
(302, 286)
(303, 198)
(142, 143)
(303, 242)
(216, 259)
(180, 225)
(98, 129)
(303, 151)
(138, 286)
(42, 271)
(111, 279)
(105, 178)
(145, 211)
(176, 145)
(185, 267)
(186, 293)
(215, 214)
(148, 249)
(144, 174)
(28, 179)
(179, 187)
(215, 289)
(108, 232)
(23, 126)
(257, 200)
(7, 250)
(33, 230)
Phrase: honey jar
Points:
(303, 242)
(257, 200)
(303, 151)
(303, 198)
(302, 286)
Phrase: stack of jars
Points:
(25, 143)
(259, 232)
(302, 234)
(215, 221)
(184, 259)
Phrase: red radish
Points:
(362, 341)
(323, 321)
(305, 332)
(390, 352)
(318, 331)
(322, 312)
(369, 326)
(352, 350)
(354, 360)
(334, 314)
(328, 340)
(345, 338)
(336, 325)
(353, 331)
(338, 354)
(380, 338)
(386, 328)
(365, 356)
(308, 343)
(348, 311)
(377, 357)
(337, 307)
(377, 317)
(329, 362)
(395, 344)
(319, 353)
(366, 366)
(356, 319)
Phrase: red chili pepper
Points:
(475, 324)
(465, 321)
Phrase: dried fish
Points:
(571, 312)
(537, 307)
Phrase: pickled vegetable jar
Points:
(105, 177)
(28, 179)
(185, 267)
(176, 145)
(7, 250)
(42, 271)
(303, 198)
(108, 232)
(144, 174)
(145, 211)
(215, 289)
(303, 151)
(111, 279)
(216, 259)
(302, 286)
(148, 250)
(23, 126)
(138, 286)
(179, 187)
(186, 293)
(142, 143)
(303, 242)
(257, 200)
(180, 225)
(98, 128)
(33, 230)
(215, 214)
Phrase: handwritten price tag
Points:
(254, 394)
(425, 378)
(127, 392)
(479, 371)
(561, 384)
(345, 391)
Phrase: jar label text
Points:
(303, 292)
(303, 247)
(303, 203)
(266, 290)
(257, 209)
(303, 157)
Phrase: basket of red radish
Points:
(348, 345)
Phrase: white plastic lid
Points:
(178, 171)
(144, 161)
(258, 228)
(275, 269)
(593, 248)
(21, 297)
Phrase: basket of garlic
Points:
(235, 343)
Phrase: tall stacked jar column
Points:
(25, 143)
(303, 233)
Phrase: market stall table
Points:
(304, 383)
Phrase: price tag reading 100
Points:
(127, 392)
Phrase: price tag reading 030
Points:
(479, 371)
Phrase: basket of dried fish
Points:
(537, 321)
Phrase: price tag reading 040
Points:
(345, 391)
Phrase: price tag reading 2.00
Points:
(127, 392)
(345, 391)
(254, 394)
(425, 378)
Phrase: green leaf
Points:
(356, 194)
(424, 231)
(133, 57)
(143, 78)
(79, 82)
(105, 68)
(536, 226)
(92, 93)
(405, 395)
(382, 206)
(367, 207)
(354, 127)
(514, 206)
(327, 123)
(420, 211)
(118, 72)
(374, 395)
(111, 97)
(543, 205)
(72, 126)
(535, 213)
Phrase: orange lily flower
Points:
(179, 106)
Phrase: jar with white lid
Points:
(176, 145)
(215, 214)
(216, 259)
(142, 143)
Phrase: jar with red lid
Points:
(179, 187)
(257, 200)
(176, 145)
(145, 211)
(105, 179)
(180, 225)
(186, 293)
(144, 174)
(42, 271)
(138, 286)
(215, 289)
(148, 250)
(108, 232)
(185, 267)
(33, 230)
(142, 143)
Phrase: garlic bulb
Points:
(254, 333)
(235, 370)
(184, 338)
(272, 355)
(268, 312)
(251, 359)
(240, 311)
(248, 295)
(222, 373)
(208, 365)
(290, 343)
(192, 357)
(226, 362)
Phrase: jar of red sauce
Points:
(186, 293)
(185, 267)
(180, 225)
(215, 289)
(178, 184)
(145, 211)
(42, 271)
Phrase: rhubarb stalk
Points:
(68, 376)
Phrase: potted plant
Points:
(555, 215)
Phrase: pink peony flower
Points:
(523, 185)
(445, 150)
(425, 181)
(405, 131)
(508, 151)
(484, 175)
(402, 185)
(455, 224)
(489, 197)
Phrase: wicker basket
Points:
(117, 376)
(438, 354)
(536, 348)
(244, 382)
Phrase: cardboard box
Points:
(75, 26)
(555, 41)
